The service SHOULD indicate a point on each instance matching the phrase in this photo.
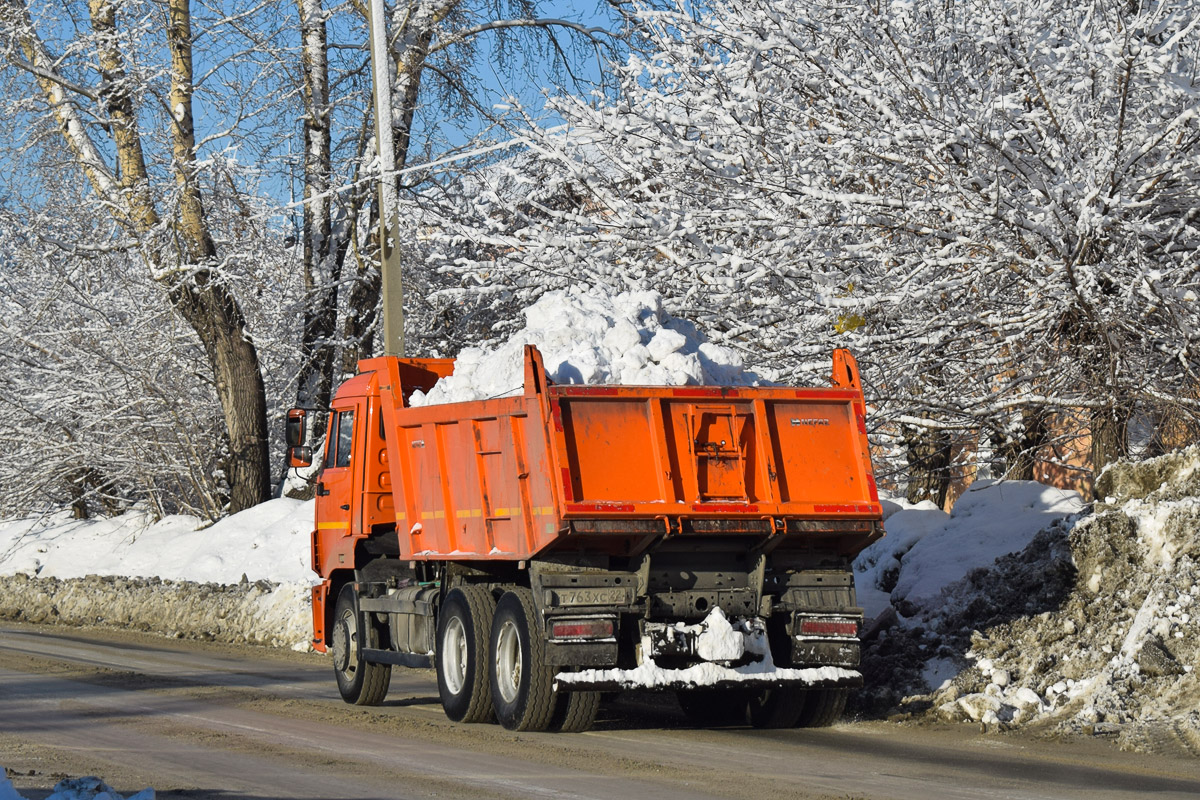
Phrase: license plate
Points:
(598, 596)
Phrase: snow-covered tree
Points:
(158, 310)
(125, 123)
(993, 202)
(445, 58)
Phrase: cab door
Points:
(335, 493)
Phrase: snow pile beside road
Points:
(917, 584)
(75, 789)
(1094, 628)
(260, 612)
(927, 550)
(244, 579)
(267, 542)
(591, 338)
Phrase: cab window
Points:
(341, 439)
(331, 441)
(345, 439)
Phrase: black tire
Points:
(707, 707)
(359, 683)
(822, 708)
(522, 684)
(464, 624)
(778, 707)
(574, 712)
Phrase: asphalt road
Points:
(198, 720)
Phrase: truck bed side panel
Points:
(478, 480)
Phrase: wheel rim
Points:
(345, 640)
(508, 662)
(454, 655)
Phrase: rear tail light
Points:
(828, 627)
(602, 628)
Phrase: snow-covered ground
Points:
(267, 542)
(245, 578)
(927, 549)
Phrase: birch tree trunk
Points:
(182, 262)
(322, 253)
(205, 302)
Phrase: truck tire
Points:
(359, 683)
(574, 712)
(822, 708)
(522, 684)
(709, 707)
(778, 707)
(464, 624)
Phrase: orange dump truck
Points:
(544, 548)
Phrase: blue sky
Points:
(263, 140)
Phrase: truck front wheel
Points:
(522, 684)
(462, 654)
(360, 683)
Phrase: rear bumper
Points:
(730, 655)
(706, 676)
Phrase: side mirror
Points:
(299, 455)
(296, 429)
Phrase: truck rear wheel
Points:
(575, 712)
(822, 708)
(358, 682)
(522, 685)
(462, 654)
(778, 707)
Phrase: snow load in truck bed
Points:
(588, 338)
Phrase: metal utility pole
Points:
(392, 290)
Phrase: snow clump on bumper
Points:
(718, 641)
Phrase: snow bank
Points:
(90, 788)
(927, 550)
(261, 612)
(244, 579)
(593, 338)
(267, 542)
(1093, 628)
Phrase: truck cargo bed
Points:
(509, 478)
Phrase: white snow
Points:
(589, 338)
(717, 640)
(265, 549)
(267, 542)
(927, 550)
